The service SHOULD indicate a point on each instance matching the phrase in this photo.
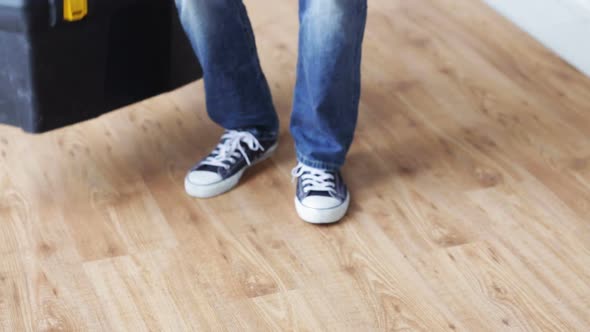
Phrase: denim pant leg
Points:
(236, 89)
(327, 90)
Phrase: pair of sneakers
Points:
(321, 196)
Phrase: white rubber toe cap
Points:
(323, 210)
(204, 178)
(320, 202)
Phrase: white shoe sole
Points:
(322, 216)
(221, 187)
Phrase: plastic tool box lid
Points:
(23, 15)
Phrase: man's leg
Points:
(238, 97)
(237, 93)
(328, 80)
(326, 103)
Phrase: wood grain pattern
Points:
(470, 177)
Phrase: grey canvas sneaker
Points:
(222, 169)
(321, 196)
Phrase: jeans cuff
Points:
(328, 166)
(261, 133)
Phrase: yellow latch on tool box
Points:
(75, 10)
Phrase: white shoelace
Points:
(231, 149)
(314, 179)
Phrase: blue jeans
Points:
(327, 91)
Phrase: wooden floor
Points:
(470, 177)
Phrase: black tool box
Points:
(65, 61)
